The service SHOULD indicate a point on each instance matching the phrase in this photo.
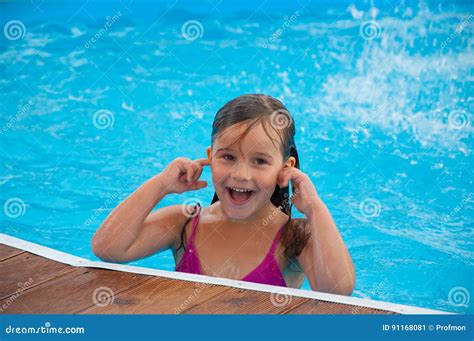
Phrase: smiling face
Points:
(245, 174)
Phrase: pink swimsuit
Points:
(268, 272)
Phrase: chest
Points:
(236, 255)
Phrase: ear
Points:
(291, 162)
(209, 153)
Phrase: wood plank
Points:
(322, 307)
(159, 296)
(242, 301)
(8, 252)
(34, 284)
(75, 291)
(26, 270)
(27, 301)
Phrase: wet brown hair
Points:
(256, 109)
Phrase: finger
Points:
(198, 185)
(203, 161)
(187, 168)
(192, 168)
(299, 177)
(183, 171)
(289, 173)
(286, 178)
(199, 163)
(182, 164)
(282, 178)
(198, 173)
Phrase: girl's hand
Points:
(182, 175)
(304, 197)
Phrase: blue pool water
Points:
(97, 98)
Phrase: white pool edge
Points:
(72, 260)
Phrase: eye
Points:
(227, 157)
(261, 161)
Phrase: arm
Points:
(130, 232)
(325, 258)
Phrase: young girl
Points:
(247, 232)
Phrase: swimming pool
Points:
(95, 99)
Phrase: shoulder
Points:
(171, 219)
(175, 214)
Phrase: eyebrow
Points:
(256, 153)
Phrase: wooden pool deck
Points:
(33, 284)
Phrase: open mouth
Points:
(239, 196)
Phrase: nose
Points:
(241, 172)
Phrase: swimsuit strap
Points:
(276, 240)
(197, 211)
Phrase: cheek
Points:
(268, 179)
(218, 172)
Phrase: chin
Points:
(236, 213)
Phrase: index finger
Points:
(203, 161)
(289, 174)
(289, 171)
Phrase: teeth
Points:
(240, 189)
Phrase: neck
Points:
(257, 219)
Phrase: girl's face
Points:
(245, 175)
